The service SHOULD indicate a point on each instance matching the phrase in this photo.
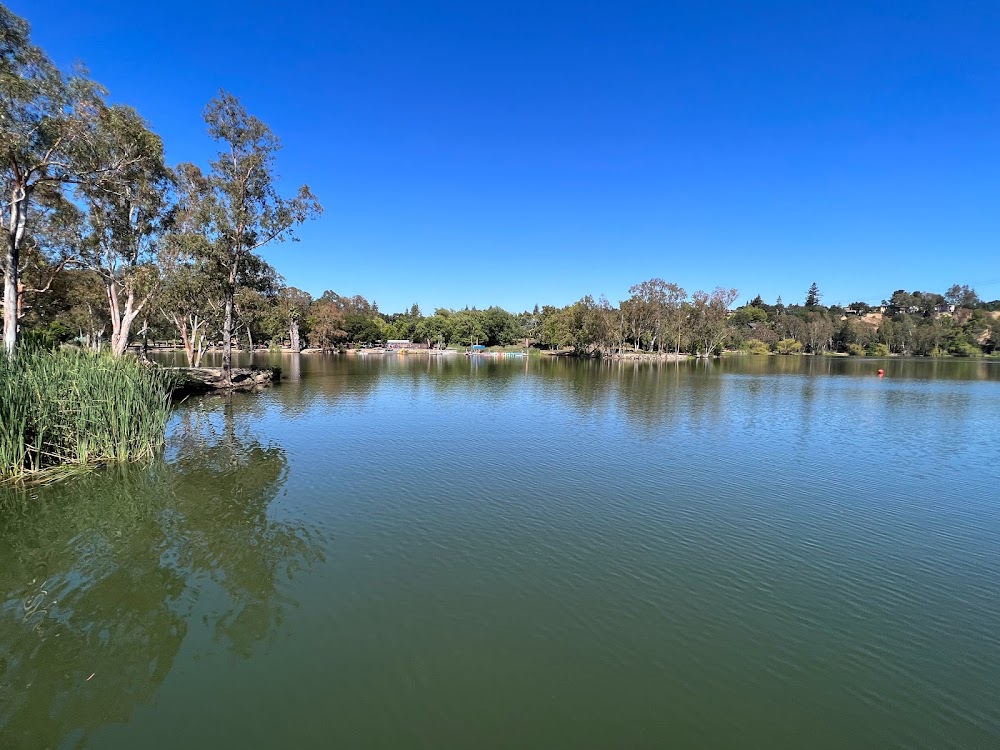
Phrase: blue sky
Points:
(517, 153)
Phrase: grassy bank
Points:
(65, 409)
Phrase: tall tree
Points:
(636, 315)
(237, 205)
(293, 307)
(961, 296)
(127, 210)
(676, 314)
(46, 128)
(499, 326)
(818, 331)
(327, 323)
(709, 318)
(190, 299)
(813, 296)
(649, 300)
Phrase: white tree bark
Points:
(12, 258)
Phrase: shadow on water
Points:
(102, 579)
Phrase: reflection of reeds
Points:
(62, 409)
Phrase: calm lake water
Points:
(442, 553)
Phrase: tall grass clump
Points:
(67, 408)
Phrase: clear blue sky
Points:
(520, 152)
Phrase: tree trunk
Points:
(121, 320)
(293, 335)
(12, 259)
(200, 347)
(182, 328)
(250, 341)
(10, 298)
(227, 333)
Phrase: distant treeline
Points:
(657, 317)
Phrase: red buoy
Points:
(881, 373)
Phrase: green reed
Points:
(66, 408)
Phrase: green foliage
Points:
(71, 407)
(234, 210)
(962, 296)
(962, 347)
(499, 327)
(127, 210)
(876, 349)
(709, 319)
(855, 350)
(47, 141)
(788, 346)
(48, 337)
(813, 296)
(749, 315)
(756, 346)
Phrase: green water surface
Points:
(432, 552)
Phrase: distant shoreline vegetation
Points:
(658, 319)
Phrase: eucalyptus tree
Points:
(190, 299)
(45, 252)
(818, 330)
(292, 306)
(961, 296)
(251, 311)
(128, 210)
(675, 316)
(635, 313)
(236, 206)
(47, 129)
(709, 313)
(529, 323)
(650, 301)
(256, 299)
(603, 325)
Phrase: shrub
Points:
(756, 346)
(788, 346)
(965, 349)
(855, 350)
(878, 350)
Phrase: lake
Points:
(437, 552)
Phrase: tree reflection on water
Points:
(101, 578)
